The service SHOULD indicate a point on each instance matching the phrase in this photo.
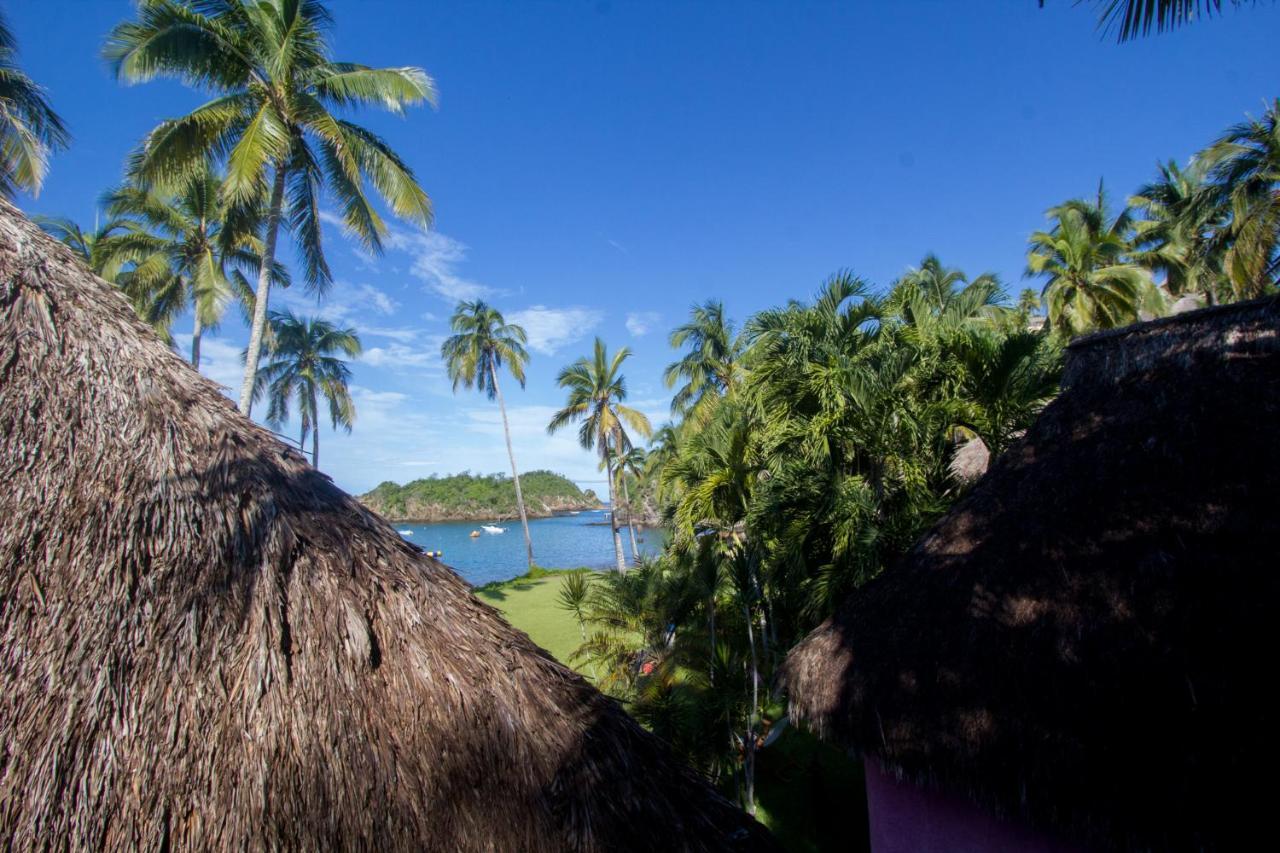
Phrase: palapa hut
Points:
(1080, 654)
(205, 644)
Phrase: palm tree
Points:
(482, 342)
(29, 128)
(89, 246)
(1183, 233)
(631, 461)
(188, 251)
(1092, 283)
(267, 64)
(304, 362)
(1133, 18)
(709, 365)
(1246, 162)
(596, 389)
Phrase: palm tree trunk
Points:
(515, 474)
(631, 524)
(315, 431)
(196, 331)
(749, 744)
(613, 517)
(263, 293)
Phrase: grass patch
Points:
(530, 603)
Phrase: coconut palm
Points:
(596, 389)
(267, 63)
(630, 461)
(29, 128)
(1184, 229)
(187, 251)
(88, 245)
(708, 367)
(1246, 161)
(1133, 18)
(481, 345)
(304, 362)
(1091, 281)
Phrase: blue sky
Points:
(597, 167)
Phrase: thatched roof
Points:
(1087, 639)
(205, 644)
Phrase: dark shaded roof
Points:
(205, 644)
(1087, 639)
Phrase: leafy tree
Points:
(1133, 18)
(596, 389)
(29, 128)
(276, 89)
(1184, 232)
(305, 362)
(187, 251)
(1091, 281)
(1246, 161)
(708, 368)
(482, 342)
(89, 246)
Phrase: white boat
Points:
(492, 528)
(406, 532)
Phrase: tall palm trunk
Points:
(196, 331)
(631, 523)
(515, 474)
(315, 431)
(613, 516)
(749, 742)
(263, 292)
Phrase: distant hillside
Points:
(468, 497)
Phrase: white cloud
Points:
(399, 356)
(435, 259)
(549, 329)
(342, 302)
(640, 323)
(220, 361)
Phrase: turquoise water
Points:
(560, 542)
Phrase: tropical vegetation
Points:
(481, 345)
(596, 388)
(305, 364)
(274, 119)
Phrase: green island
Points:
(475, 497)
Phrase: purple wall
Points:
(906, 818)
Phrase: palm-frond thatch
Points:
(1086, 640)
(206, 645)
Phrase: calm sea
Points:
(560, 542)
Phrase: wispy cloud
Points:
(220, 360)
(641, 323)
(615, 244)
(549, 329)
(424, 355)
(343, 302)
(435, 259)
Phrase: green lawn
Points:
(529, 603)
(809, 794)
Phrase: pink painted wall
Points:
(906, 818)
